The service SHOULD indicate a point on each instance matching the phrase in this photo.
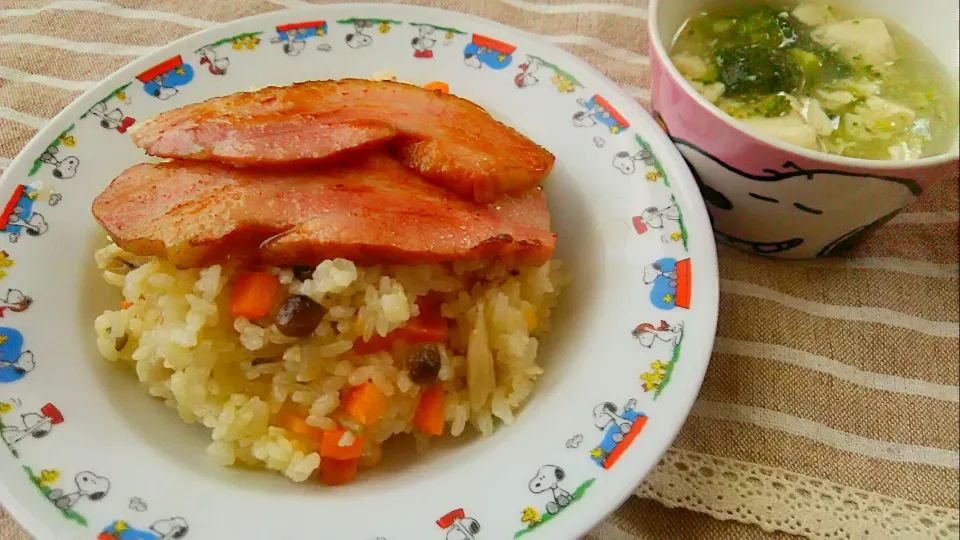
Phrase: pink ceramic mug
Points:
(773, 198)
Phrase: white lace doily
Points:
(778, 500)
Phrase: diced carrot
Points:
(377, 343)
(428, 327)
(438, 85)
(423, 330)
(334, 472)
(429, 415)
(299, 426)
(330, 446)
(124, 304)
(365, 403)
(253, 294)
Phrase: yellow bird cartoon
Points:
(530, 516)
(49, 476)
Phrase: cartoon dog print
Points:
(598, 110)
(164, 529)
(359, 38)
(292, 42)
(458, 526)
(293, 36)
(216, 65)
(666, 220)
(527, 76)
(12, 371)
(62, 168)
(564, 82)
(489, 52)
(605, 414)
(626, 162)
(781, 197)
(15, 301)
(35, 425)
(18, 215)
(620, 428)
(162, 80)
(548, 478)
(15, 363)
(112, 118)
(671, 280)
(89, 486)
(648, 334)
(423, 43)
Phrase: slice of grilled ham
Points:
(448, 140)
(371, 210)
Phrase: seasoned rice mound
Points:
(235, 375)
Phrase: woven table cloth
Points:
(831, 405)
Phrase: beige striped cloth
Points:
(831, 405)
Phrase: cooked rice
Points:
(234, 375)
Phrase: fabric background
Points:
(830, 408)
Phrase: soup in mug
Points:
(821, 75)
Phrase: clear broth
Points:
(903, 109)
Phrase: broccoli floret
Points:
(756, 69)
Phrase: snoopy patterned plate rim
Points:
(89, 454)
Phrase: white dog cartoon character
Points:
(89, 486)
(605, 414)
(208, 57)
(667, 220)
(527, 76)
(423, 43)
(620, 427)
(626, 162)
(459, 526)
(36, 425)
(598, 110)
(163, 529)
(648, 334)
(293, 43)
(15, 301)
(111, 118)
(548, 478)
(358, 39)
(62, 168)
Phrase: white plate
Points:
(611, 166)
